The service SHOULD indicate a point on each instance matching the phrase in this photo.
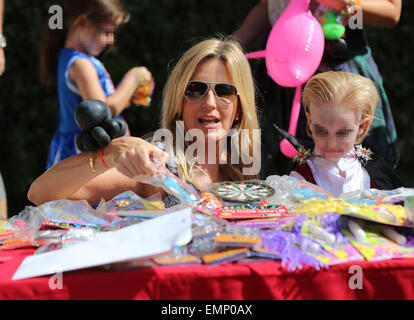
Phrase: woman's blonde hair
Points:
(239, 69)
(338, 88)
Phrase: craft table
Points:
(387, 279)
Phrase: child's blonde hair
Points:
(344, 89)
(239, 69)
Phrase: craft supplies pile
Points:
(280, 218)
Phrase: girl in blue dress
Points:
(68, 56)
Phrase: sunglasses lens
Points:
(226, 92)
(195, 90)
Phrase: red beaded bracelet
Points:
(102, 159)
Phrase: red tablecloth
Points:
(388, 279)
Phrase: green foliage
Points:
(157, 34)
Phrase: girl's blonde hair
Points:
(338, 88)
(173, 95)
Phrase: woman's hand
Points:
(74, 179)
(132, 157)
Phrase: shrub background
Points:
(157, 34)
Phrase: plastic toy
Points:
(143, 94)
(293, 52)
(242, 191)
(235, 213)
(95, 119)
(332, 30)
(173, 185)
(374, 246)
(294, 47)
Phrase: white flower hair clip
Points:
(363, 154)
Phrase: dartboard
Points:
(242, 191)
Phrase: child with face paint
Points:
(340, 107)
(68, 57)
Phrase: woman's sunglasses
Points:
(225, 92)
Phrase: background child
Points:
(339, 108)
(68, 57)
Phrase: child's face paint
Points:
(335, 129)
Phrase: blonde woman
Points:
(209, 134)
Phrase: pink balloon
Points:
(287, 149)
(295, 45)
(285, 146)
(293, 52)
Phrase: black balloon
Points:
(100, 136)
(122, 126)
(98, 128)
(112, 128)
(91, 113)
(89, 143)
(336, 49)
(79, 141)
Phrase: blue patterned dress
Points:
(63, 142)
